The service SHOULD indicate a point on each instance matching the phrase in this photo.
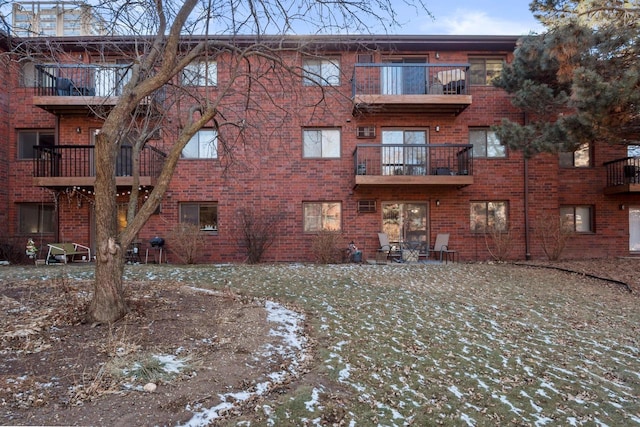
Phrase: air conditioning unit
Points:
(366, 206)
(366, 132)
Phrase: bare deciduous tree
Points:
(159, 39)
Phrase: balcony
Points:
(415, 164)
(623, 176)
(73, 165)
(410, 88)
(79, 88)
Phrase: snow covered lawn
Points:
(457, 344)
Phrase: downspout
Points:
(527, 243)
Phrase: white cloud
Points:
(467, 22)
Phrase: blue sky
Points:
(469, 17)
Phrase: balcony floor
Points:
(89, 181)
(430, 104)
(73, 104)
(431, 180)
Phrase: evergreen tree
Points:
(580, 81)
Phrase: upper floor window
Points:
(322, 216)
(577, 218)
(581, 158)
(28, 139)
(202, 145)
(488, 215)
(322, 72)
(200, 73)
(319, 143)
(484, 70)
(204, 215)
(486, 143)
(36, 218)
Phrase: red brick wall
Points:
(267, 173)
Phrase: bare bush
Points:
(499, 240)
(327, 247)
(258, 233)
(186, 242)
(553, 232)
(12, 249)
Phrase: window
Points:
(27, 139)
(484, 70)
(577, 218)
(405, 222)
(581, 158)
(404, 152)
(486, 143)
(488, 215)
(205, 215)
(321, 143)
(202, 145)
(200, 73)
(36, 218)
(322, 72)
(322, 216)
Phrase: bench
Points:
(67, 252)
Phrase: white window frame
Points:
(322, 216)
(200, 73)
(321, 71)
(202, 145)
(490, 147)
(321, 143)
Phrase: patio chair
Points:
(441, 245)
(386, 250)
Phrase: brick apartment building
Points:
(403, 145)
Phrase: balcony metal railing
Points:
(410, 79)
(413, 159)
(623, 171)
(78, 161)
(81, 79)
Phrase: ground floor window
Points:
(488, 215)
(322, 216)
(577, 218)
(405, 221)
(36, 218)
(205, 215)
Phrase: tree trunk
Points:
(108, 303)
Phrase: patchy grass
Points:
(457, 344)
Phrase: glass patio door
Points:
(405, 222)
(634, 228)
(399, 78)
(405, 153)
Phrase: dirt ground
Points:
(54, 370)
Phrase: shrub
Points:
(553, 232)
(327, 247)
(258, 233)
(499, 241)
(186, 242)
